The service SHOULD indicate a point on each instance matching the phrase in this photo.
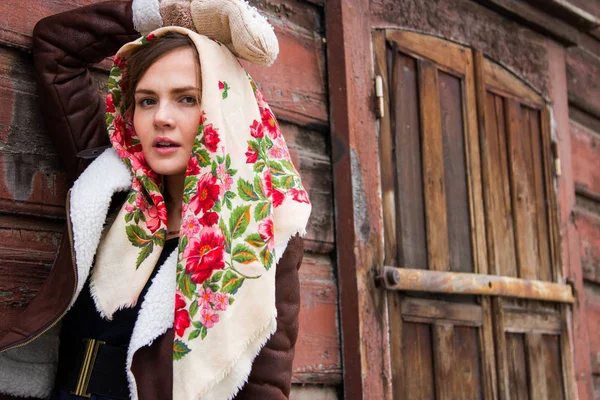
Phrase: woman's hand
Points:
(240, 27)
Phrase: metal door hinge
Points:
(556, 157)
(379, 96)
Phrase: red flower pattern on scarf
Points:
(269, 122)
(299, 195)
(204, 255)
(257, 130)
(209, 219)
(207, 194)
(182, 317)
(211, 138)
(251, 156)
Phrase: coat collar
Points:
(90, 200)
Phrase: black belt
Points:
(94, 367)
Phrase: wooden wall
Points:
(583, 70)
(33, 186)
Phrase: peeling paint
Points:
(361, 211)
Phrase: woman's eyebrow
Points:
(174, 90)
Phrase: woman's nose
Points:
(163, 118)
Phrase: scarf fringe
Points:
(96, 299)
(271, 326)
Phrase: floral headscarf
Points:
(243, 200)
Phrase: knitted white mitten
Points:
(146, 16)
(241, 28)
(177, 13)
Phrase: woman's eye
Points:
(146, 102)
(189, 100)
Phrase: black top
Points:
(83, 320)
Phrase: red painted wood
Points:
(588, 226)
(585, 147)
(592, 300)
(318, 358)
(583, 70)
(568, 231)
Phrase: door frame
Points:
(364, 324)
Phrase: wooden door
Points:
(476, 298)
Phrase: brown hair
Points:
(144, 56)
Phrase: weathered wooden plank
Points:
(585, 148)
(31, 180)
(502, 349)
(452, 104)
(418, 363)
(582, 82)
(311, 155)
(430, 48)
(497, 196)
(416, 280)
(591, 296)
(444, 361)
(526, 214)
(568, 12)
(488, 352)
(521, 320)
(537, 168)
(430, 311)
(588, 226)
(27, 250)
(553, 366)
(536, 367)
(517, 369)
(433, 168)
(295, 84)
(412, 239)
(536, 19)
(522, 196)
(317, 357)
(506, 84)
(474, 171)
(592, 7)
(467, 375)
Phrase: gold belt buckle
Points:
(87, 366)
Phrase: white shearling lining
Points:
(89, 202)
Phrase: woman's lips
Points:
(164, 145)
(166, 150)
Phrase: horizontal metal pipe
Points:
(418, 280)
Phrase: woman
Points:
(194, 287)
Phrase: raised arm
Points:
(65, 45)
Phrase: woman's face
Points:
(167, 111)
